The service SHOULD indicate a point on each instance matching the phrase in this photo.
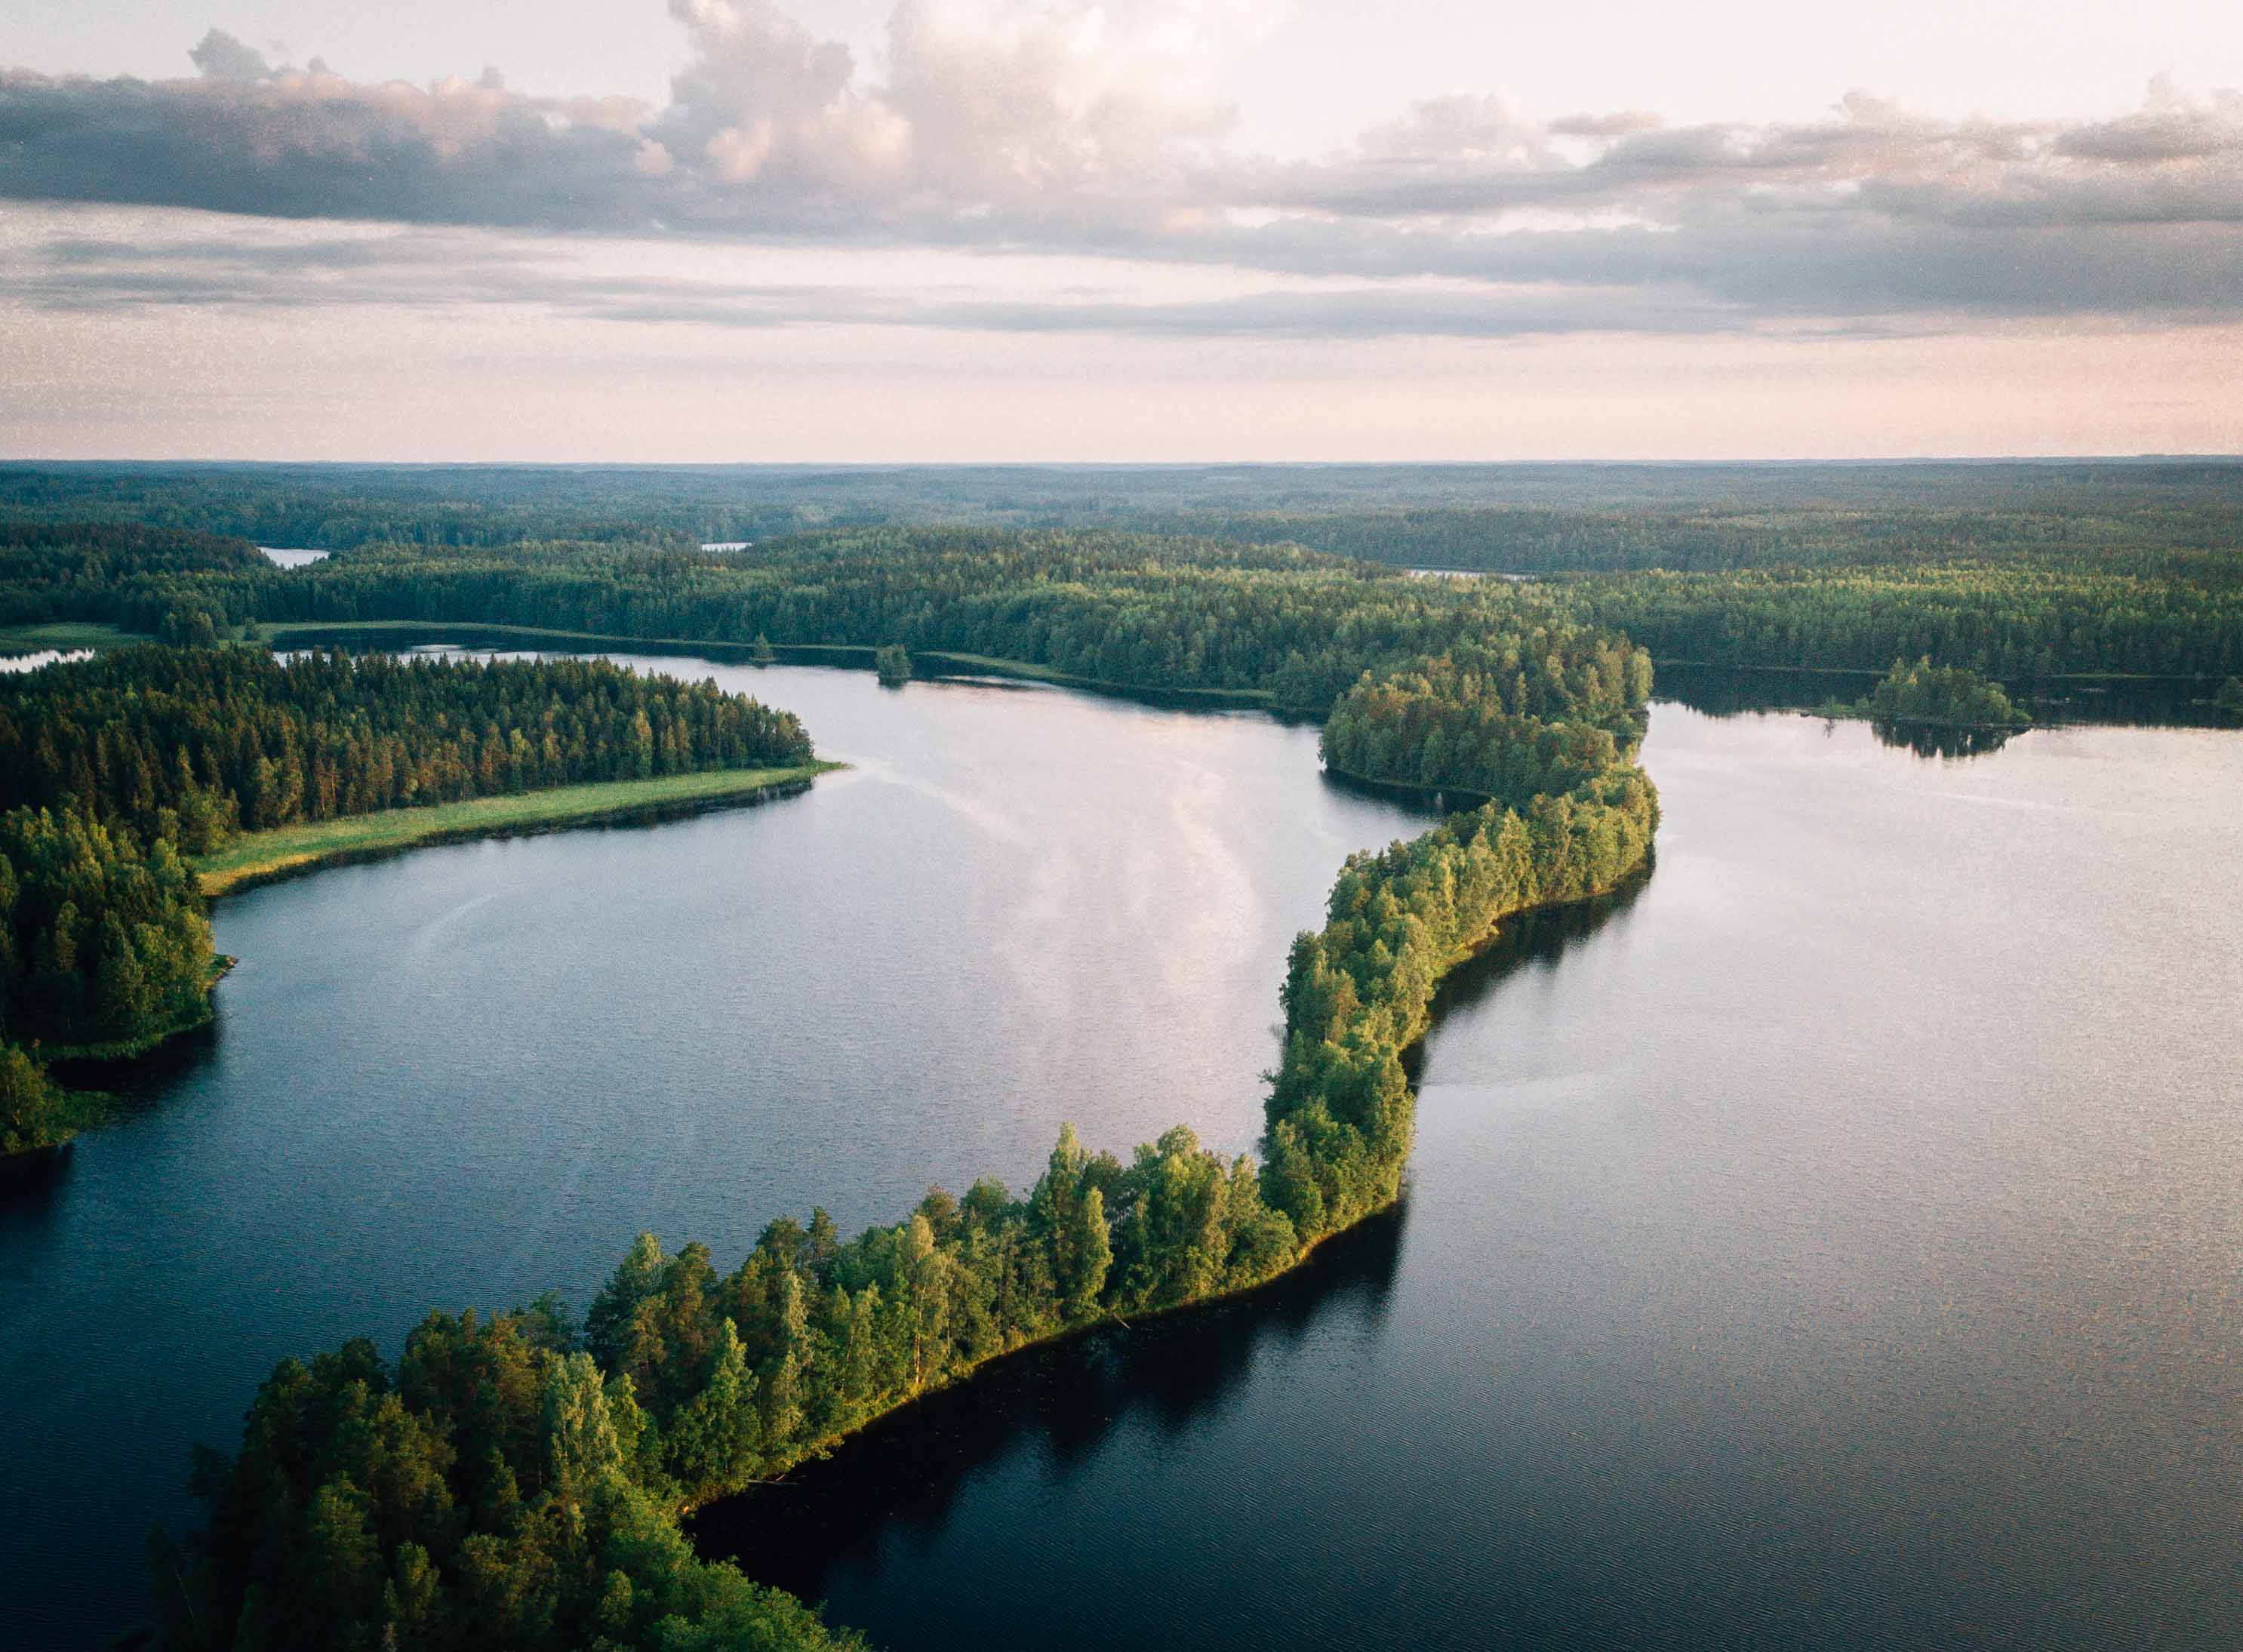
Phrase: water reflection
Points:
(1927, 739)
(1060, 1406)
(1721, 691)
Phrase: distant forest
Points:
(2018, 571)
(1520, 518)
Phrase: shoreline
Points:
(848, 656)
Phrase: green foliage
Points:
(487, 1492)
(1108, 608)
(35, 1111)
(1481, 721)
(2008, 621)
(529, 1454)
(142, 577)
(111, 768)
(1944, 696)
(103, 939)
(190, 744)
(892, 662)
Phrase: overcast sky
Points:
(1146, 229)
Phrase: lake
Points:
(1833, 1240)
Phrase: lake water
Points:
(40, 657)
(287, 558)
(1835, 1240)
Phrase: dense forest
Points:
(2011, 623)
(1460, 723)
(102, 940)
(126, 574)
(1523, 517)
(189, 744)
(1117, 609)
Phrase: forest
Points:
(190, 744)
(1946, 696)
(2012, 622)
(1515, 517)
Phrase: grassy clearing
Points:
(63, 634)
(262, 855)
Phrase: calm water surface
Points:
(1833, 1240)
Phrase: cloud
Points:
(1096, 127)
(220, 57)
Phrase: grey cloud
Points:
(1018, 139)
(220, 57)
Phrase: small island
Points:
(1938, 710)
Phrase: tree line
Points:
(2011, 622)
(2136, 585)
(189, 744)
(1120, 609)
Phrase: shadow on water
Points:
(1927, 739)
(905, 1476)
(1721, 690)
(1534, 940)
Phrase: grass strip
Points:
(259, 856)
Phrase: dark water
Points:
(1833, 1240)
(2179, 702)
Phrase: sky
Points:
(1140, 230)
